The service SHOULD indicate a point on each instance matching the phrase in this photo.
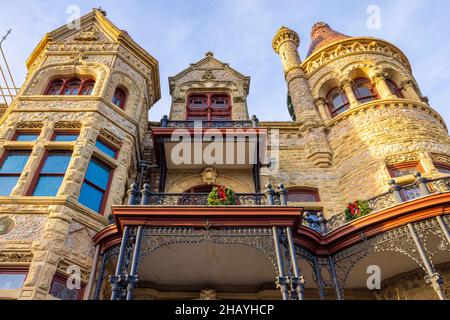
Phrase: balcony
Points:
(397, 195)
(219, 124)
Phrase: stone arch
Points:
(41, 79)
(186, 183)
(354, 70)
(134, 93)
(325, 84)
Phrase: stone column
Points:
(347, 87)
(408, 88)
(285, 44)
(379, 80)
(322, 107)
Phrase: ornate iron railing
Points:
(271, 197)
(253, 123)
(397, 195)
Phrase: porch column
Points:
(101, 277)
(337, 287)
(297, 282)
(281, 281)
(133, 277)
(88, 290)
(433, 277)
(319, 278)
(118, 279)
(444, 228)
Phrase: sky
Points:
(240, 32)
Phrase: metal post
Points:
(145, 201)
(319, 278)
(283, 195)
(270, 195)
(255, 122)
(298, 282)
(101, 277)
(444, 228)
(433, 277)
(395, 189)
(133, 277)
(87, 292)
(281, 281)
(165, 122)
(133, 194)
(337, 287)
(422, 184)
(119, 277)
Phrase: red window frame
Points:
(85, 87)
(3, 158)
(120, 96)
(25, 131)
(208, 112)
(406, 165)
(337, 110)
(109, 145)
(38, 173)
(62, 132)
(15, 271)
(442, 166)
(363, 82)
(62, 279)
(108, 186)
(306, 191)
(394, 88)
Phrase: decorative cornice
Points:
(384, 104)
(352, 46)
(283, 35)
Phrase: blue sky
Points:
(240, 32)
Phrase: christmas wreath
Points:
(357, 210)
(220, 196)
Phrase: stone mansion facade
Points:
(91, 195)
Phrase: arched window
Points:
(119, 98)
(364, 91)
(337, 101)
(55, 88)
(303, 195)
(394, 89)
(70, 87)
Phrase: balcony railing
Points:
(271, 197)
(253, 123)
(397, 194)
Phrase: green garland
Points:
(220, 196)
(357, 210)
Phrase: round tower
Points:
(379, 126)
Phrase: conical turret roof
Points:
(322, 35)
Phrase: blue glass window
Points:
(11, 169)
(95, 185)
(52, 174)
(66, 137)
(27, 137)
(12, 281)
(106, 149)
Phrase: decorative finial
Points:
(209, 54)
(319, 25)
(103, 12)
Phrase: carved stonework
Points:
(208, 294)
(208, 75)
(67, 125)
(30, 125)
(110, 137)
(209, 176)
(7, 224)
(88, 34)
(16, 257)
(67, 267)
(440, 158)
(402, 158)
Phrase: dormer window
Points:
(209, 107)
(70, 87)
(119, 98)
